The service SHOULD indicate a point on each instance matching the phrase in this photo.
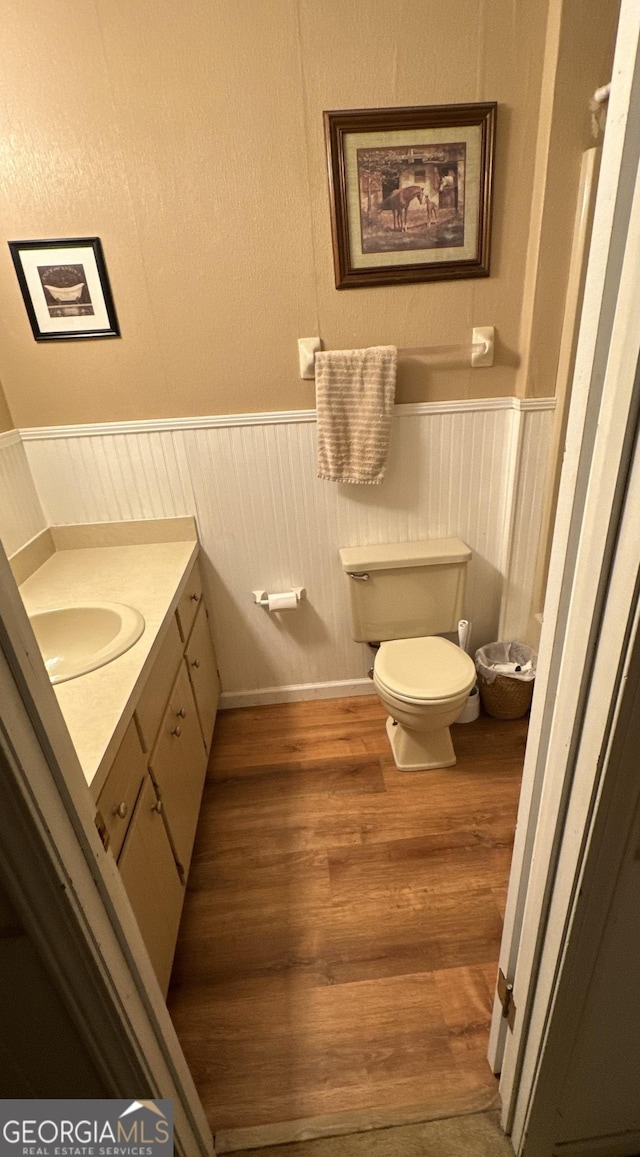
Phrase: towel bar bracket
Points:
(482, 335)
(308, 347)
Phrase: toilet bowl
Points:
(423, 684)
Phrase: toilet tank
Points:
(410, 589)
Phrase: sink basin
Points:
(80, 638)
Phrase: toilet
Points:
(404, 596)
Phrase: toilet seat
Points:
(427, 669)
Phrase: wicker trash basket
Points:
(506, 695)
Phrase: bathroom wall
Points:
(189, 138)
(578, 59)
(21, 515)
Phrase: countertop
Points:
(151, 577)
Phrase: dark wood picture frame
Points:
(65, 287)
(385, 234)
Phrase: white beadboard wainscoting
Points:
(472, 469)
(21, 515)
(528, 485)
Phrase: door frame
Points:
(550, 848)
(67, 891)
(602, 815)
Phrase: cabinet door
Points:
(178, 764)
(156, 691)
(203, 672)
(120, 792)
(189, 602)
(152, 882)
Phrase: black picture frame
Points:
(410, 192)
(65, 287)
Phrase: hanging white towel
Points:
(355, 391)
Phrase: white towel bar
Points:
(480, 350)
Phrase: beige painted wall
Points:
(189, 138)
(6, 420)
(579, 59)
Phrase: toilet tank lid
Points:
(385, 556)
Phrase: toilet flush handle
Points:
(360, 576)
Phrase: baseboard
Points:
(613, 1145)
(296, 692)
(342, 1124)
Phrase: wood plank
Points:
(285, 717)
(439, 863)
(442, 932)
(364, 1040)
(466, 1006)
(338, 821)
(253, 919)
(338, 776)
(292, 733)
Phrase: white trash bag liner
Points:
(513, 660)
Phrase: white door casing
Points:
(598, 448)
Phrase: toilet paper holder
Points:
(262, 597)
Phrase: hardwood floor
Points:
(338, 947)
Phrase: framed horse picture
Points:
(410, 192)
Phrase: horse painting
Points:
(398, 202)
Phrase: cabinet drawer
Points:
(151, 880)
(189, 603)
(203, 672)
(120, 792)
(178, 764)
(155, 695)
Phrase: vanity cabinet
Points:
(149, 805)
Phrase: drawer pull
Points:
(181, 713)
(122, 810)
(177, 731)
(157, 807)
(196, 663)
(195, 598)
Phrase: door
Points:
(602, 426)
(178, 764)
(203, 673)
(151, 879)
